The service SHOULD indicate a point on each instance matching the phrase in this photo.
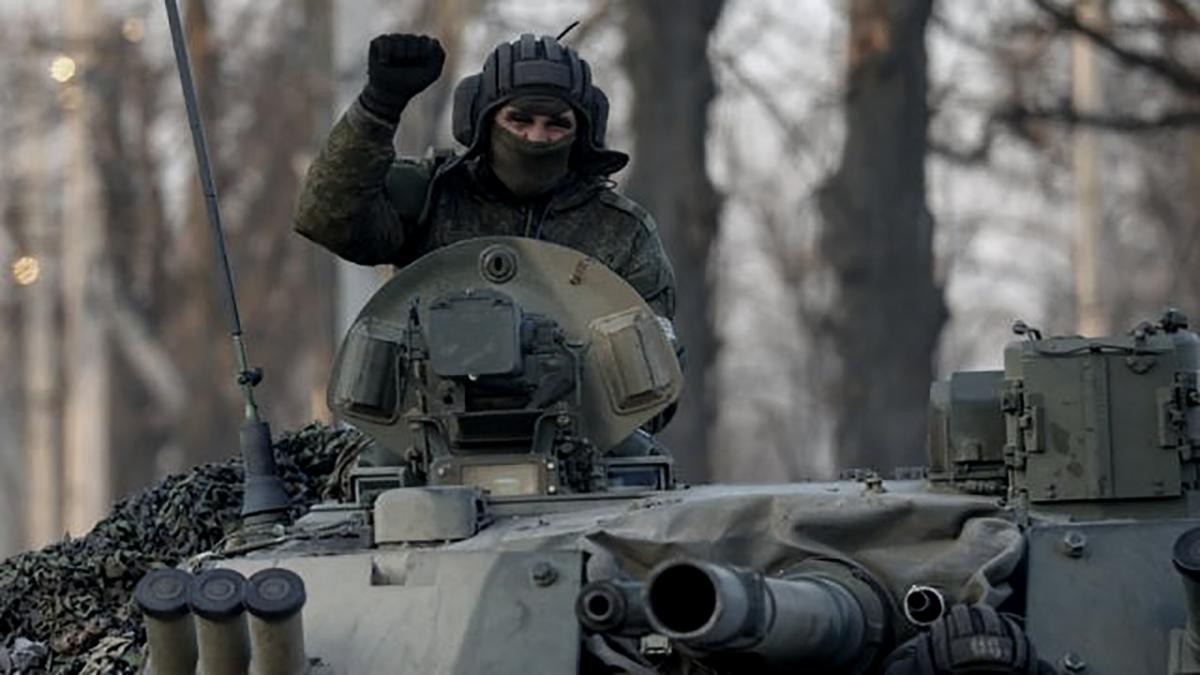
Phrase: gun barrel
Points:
(809, 619)
(613, 606)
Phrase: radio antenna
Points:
(566, 30)
(264, 500)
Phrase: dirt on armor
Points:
(68, 608)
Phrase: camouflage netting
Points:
(68, 608)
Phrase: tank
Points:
(511, 514)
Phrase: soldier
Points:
(535, 165)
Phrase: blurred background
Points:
(858, 196)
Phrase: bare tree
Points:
(878, 242)
(149, 399)
(180, 405)
(87, 458)
(193, 323)
(666, 56)
(29, 217)
(1148, 116)
(14, 218)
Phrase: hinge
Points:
(1030, 422)
(1012, 402)
(1174, 403)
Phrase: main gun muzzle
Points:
(827, 621)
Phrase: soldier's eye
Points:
(520, 117)
(561, 123)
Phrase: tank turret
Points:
(514, 366)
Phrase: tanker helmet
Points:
(536, 66)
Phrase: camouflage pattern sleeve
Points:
(650, 272)
(345, 203)
(647, 269)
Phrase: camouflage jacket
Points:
(361, 202)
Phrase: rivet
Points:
(543, 574)
(1073, 662)
(1074, 543)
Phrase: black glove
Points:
(969, 639)
(399, 66)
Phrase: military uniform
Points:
(366, 206)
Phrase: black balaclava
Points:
(531, 168)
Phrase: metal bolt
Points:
(1074, 543)
(543, 574)
(441, 471)
(1073, 662)
(563, 420)
(549, 466)
(552, 490)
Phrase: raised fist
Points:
(400, 66)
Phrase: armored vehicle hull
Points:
(512, 516)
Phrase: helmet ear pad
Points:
(466, 109)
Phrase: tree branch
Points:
(1174, 119)
(977, 153)
(796, 137)
(149, 358)
(957, 34)
(1165, 68)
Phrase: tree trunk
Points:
(1087, 97)
(318, 33)
(86, 440)
(666, 56)
(13, 477)
(878, 241)
(41, 346)
(151, 395)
